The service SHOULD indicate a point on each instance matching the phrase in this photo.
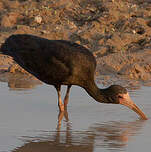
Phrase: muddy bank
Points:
(127, 68)
(19, 81)
(117, 33)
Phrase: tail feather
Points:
(19, 42)
(5, 49)
(7, 45)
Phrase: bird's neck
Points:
(95, 92)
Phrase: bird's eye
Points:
(119, 96)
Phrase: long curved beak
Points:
(126, 101)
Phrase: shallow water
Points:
(29, 122)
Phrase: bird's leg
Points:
(66, 98)
(60, 104)
(60, 117)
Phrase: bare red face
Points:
(125, 99)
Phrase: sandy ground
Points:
(117, 33)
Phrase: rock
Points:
(13, 4)
(134, 71)
(1, 6)
(106, 70)
(149, 23)
(22, 29)
(15, 67)
(9, 20)
(101, 52)
(38, 19)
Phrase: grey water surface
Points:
(29, 122)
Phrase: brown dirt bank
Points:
(127, 68)
(19, 81)
(117, 32)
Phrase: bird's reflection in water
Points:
(116, 135)
(110, 135)
(19, 81)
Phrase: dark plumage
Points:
(53, 62)
(60, 62)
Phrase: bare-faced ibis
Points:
(60, 62)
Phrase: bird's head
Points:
(117, 94)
